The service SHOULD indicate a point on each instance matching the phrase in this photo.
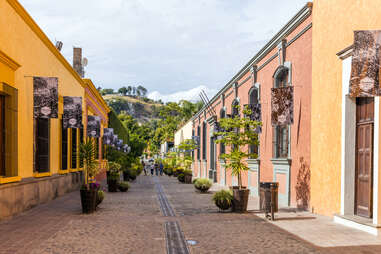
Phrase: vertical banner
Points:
(108, 136)
(45, 97)
(282, 105)
(72, 112)
(93, 126)
(365, 64)
(114, 141)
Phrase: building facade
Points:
(342, 183)
(183, 133)
(39, 158)
(284, 150)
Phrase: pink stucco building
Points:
(284, 151)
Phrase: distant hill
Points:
(139, 108)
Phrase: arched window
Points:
(198, 146)
(254, 99)
(235, 109)
(280, 133)
(204, 140)
(222, 115)
(253, 95)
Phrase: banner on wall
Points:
(93, 126)
(282, 106)
(45, 97)
(72, 112)
(365, 64)
(108, 136)
(114, 140)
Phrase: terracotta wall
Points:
(299, 53)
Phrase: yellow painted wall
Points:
(26, 44)
(333, 26)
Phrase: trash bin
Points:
(268, 198)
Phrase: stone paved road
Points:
(133, 222)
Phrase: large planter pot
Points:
(126, 176)
(240, 200)
(113, 185)
(223, 205)
(88, 200)
(188, 179)
(108, 175)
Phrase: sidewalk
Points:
(316, 229)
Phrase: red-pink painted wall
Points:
(299, 53)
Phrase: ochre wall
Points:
(333, 26)
(26, 44)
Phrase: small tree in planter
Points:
(185, 159)
(89, 192)
(238, 133)
(114, 177)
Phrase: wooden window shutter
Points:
(64, 147)
(74, 148)
(42, 145)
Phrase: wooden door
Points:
(2, 136)
(364, 156)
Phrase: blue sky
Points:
(174, 48)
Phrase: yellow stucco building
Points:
(335, 179)
(25, 52)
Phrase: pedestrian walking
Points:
(161, 168)
(156, 168)
(152, 167)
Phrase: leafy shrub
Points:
(194, 180)
(187, 172)
(223, 199)
(181, 178)
(100, 196)
(123, 186)
(203, 184)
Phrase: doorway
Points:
(364, 156)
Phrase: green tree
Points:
(123, 90)
(129, 89)
(108, 91)
(238, 133)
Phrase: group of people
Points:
(154, 167)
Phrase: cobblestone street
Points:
(156, 215)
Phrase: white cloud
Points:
(189, 95)
(160, 44)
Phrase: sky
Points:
(174, 48)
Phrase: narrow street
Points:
(157, 215)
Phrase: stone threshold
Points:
(357, 222)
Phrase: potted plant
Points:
(203, 185)
(114, 177)
(100, 197)
(181, 178)
(237, 133)
(223, 199)
(88, 191)
(123, 186)
(188, 176)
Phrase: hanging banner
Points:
(114, 140)
(93, 126)
(365, 64)
(282, 105)
(108, 136)
(72, 112)
(45, 97)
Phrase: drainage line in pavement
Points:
(175, 239)
(165, 206)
